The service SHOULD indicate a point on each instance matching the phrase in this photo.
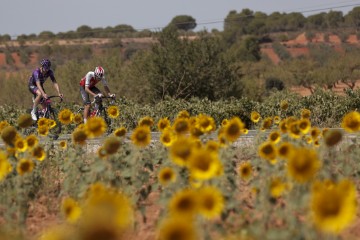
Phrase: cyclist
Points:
(36, 82)
(87, 88)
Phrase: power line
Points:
(216, 21)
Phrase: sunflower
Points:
(78, 118)
(59, 232)
(181, 125)
(205, 123)
(315, 132)
(277, 119)
(333, 137)
(167, 137)
(43, 130)
(308, 139)
(24, 166)
(304, 125)
(305, 113)
(274, 137)
(284, 150)
(21, 145)
(211, 202)
(303, 164)
(233, 129)
(183, 114)
(245, 131)
(267, 151)
(111, 145)
(113, 111)
(245, 170)
(184, 203)
(267, 123)
(283, 126)
(255, 117)
(51, 123)
(294, 130)
(141, 136)
(39, 153)
(66, 116)
(166, 175)
(146, 121)
(177, 228)
(109, 205)
(71, 210)
(284, 105)
(25, 121)
(224, 122)
(42, 122)
(351, 122)
(222, 140)
(95, 127)
(3, 124)
(63, 144)
(79, 136)
(101, 152)
(333, 205)
(195, 131)
(212, 146)
(8, 135)
(181, 150)
(163, 123)
(203, 164)
(5, 166)
(277, 187)
(120, 132)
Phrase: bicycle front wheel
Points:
(108, 121)
(56, 130)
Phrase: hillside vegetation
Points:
(255, 54)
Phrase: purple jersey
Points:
(41, 77)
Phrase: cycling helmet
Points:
(99, 72)
(45, 63)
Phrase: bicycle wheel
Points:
(55, 131)
(108, 120)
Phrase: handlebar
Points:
(96, 98)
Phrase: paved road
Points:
(243, 139)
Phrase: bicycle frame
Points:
(48, 109)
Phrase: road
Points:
(243, 140)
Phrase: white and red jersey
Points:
(90, 81)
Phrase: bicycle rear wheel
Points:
(55, 131)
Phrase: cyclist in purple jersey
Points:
(36, 82)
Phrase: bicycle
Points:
(99, 110)
(50, 113)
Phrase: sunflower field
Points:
(297, 177)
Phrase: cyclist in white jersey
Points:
(87, 88)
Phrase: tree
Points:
(183, 22)
(245, 50)
(181, 68)
(353, 17)
(46, 35)
(84, 31)
(334, 19)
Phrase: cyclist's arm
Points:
(107, 90)
(87, 89)
(106, 87)
(56, 85)
(57, 88)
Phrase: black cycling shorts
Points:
(86, 96)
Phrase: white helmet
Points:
(99, 72)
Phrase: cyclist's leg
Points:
(36, 99)
(96, 91)
(86, 100)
